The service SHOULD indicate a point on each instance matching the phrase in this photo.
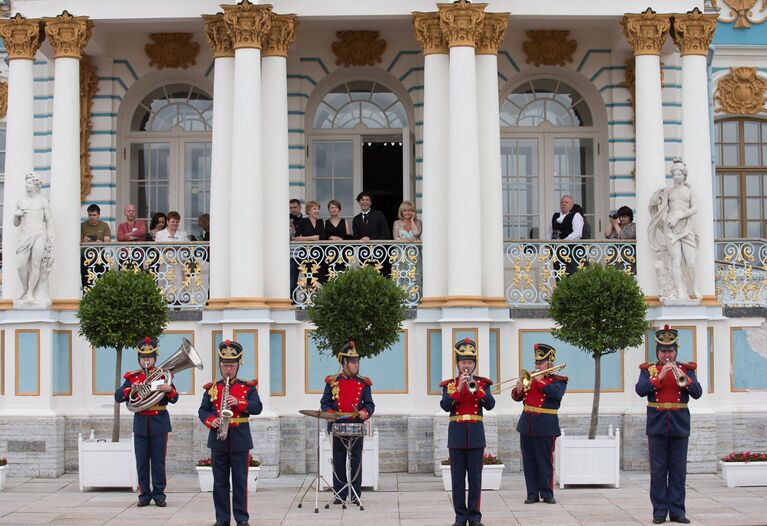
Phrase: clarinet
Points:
(226, 414)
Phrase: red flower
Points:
(745, 456)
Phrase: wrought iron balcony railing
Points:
(534, 267)
(313, 263)
(181, 270)
(741, 272)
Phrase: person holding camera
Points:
(621, 225)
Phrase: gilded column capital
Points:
(281, 35)
(461, 22)
(68, 34)
(22, 37)
(692, 32)
(428, 33)
(646, 32)
(247, 23)
(492, 34)
(218, 35)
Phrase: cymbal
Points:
(317, 414)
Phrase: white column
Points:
(220, 180)
(276, 181)
(491, 215)
(65, 179)
(435, 166)
(246, 202)
(650, 161)
(463, 223)
(19, 160)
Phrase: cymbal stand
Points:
(348, 442)
(316, 481)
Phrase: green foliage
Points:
(599, 310)
(121, 309)
(361, 305)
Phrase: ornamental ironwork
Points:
(741, 272)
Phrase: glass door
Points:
(150, 178)
(196, 184)
(572, 169)
(521, 187)
(333, 163)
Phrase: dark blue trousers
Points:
(668, 472)
(466, 463)
(538, 465)
(150, 449)
(339, 467)
(236, 463)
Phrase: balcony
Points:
(741, 272)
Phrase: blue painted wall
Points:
(62, 363)
(749, 368)
(276, 361)
(726, 34)
(28, 362)
(435, 361)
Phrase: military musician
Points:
(465, 397)
(538, 425)
(225, 408)
(150, 427)
(668, 386)
(348, 396)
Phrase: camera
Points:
(613, 216)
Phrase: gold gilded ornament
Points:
(172, 50)
(741, 92)
(548, 47)
(358, 48)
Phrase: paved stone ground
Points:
(402, 499)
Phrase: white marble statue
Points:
(673, 237)
(35, 243)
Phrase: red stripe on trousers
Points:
(553, 447)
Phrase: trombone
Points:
(526, 377)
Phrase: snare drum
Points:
(348, 429)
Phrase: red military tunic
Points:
(238, 389)
(154, 420)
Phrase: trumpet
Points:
(681, 379)
(471, 383)
(526, 377)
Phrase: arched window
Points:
(168, 152)
(741, 177)
(360, 104)
(548, 149)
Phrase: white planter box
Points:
(205, 476)
(369, 461)
(2, 477)
(744, 473)
(492, 474)
(579, 460)
(106, 464)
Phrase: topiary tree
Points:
(360, 305)
(120, 310)
(600, 310)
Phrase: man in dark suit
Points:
(369, 224)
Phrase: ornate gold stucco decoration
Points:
(218, 35)
(646, 32)
(172, 50)
(428, 34)
(742, 12)
(461, 22)
(3, 99)
(89, 85)
(22, 37)
(281, 35)
(68, 34)
(492, 34)
(692, 32)
(549, 47)
(741, 92)
(247, 23)
(358, 48)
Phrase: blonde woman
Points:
(408, 227)
(311, 227)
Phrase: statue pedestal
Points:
(680, 302)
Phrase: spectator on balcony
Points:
(567, 223)
(336, 228)
(171, 233)
(93, 229)
(311, 228)
(369, 224)
(622, 225)
(408, 227)
(157, 223)
(295, 216)
(204, 223)
(586, 231)
(133, 229)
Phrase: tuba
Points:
(141, 396)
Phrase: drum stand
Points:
(348, 442)
(316, 481)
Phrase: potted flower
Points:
(3, 464)
(492, 472)
(744, 469)
(205, 474)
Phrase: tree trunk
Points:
(597, 388)
(118, 383)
